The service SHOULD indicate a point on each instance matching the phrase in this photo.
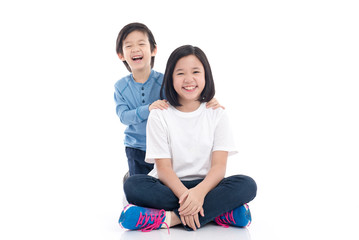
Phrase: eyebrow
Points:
(129, 42)
(180, 69)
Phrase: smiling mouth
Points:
(190, 88)
(137, 58)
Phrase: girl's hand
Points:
(214, 104)
(192, 221)
(159, 104)
(191, 202)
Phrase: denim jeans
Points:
(231, 192)
(136, 161)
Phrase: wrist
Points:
(201, 190)
(181, 191)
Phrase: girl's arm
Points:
(168, 177)
(193, 198)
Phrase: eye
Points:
(179, 73)
(196, 72)
(128, 46)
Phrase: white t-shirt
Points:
(188, 139)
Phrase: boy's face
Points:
(137, 51)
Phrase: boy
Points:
(138, 93)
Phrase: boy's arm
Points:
(214, 104)
(129, 116)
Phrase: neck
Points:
(141, 76)
(189, 106)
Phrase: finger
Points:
(201, 212)
(209, 104)
(185, 205)
(186, 210)
(183, 197)
(196, 220)
(165, 103)
(191, 210)
(183, 220)
(189, 223)
(164, 106)
(193, 225)
(196, 210)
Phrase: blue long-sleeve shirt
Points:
(132, 102)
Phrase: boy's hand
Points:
(214, 104)
(159, 104)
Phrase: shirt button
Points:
(143, 88)
(143, 101)
(143, 94)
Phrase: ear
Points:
(121, 57)
(154, 52)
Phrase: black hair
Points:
(129, 28)
(167, 84)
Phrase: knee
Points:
(248, 186)
(132, 187)
(127, 185)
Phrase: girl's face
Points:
(188, 79)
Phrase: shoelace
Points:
(157, 219)
(228, 219)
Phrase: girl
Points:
(138, 93)
(189, 145)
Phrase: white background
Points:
(286, 71)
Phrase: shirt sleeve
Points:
(129, 116)
(223, 139)
(157, 141)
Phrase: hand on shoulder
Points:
(159, 104)
(214, 104)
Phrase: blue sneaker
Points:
(240, 217)
(139, 218)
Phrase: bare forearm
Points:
(215, 174)
(170, 179)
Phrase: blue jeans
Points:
(231, 192)
(136, 161)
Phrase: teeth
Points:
(189, 88)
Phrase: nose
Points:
(134, 49)
(189, 78)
